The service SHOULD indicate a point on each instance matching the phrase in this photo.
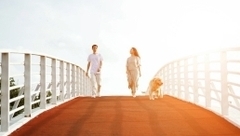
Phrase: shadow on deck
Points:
(127, 116)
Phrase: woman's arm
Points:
(139, 71)
(127, 67)
(139, 65)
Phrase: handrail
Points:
(215, 73)
(56, 81)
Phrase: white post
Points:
(195, 80)
(5, 93)
(89, 87)
(186, 89)
(178, 79)
(165, 81)
(68, 81)
(172, 79)
(207, 82)
(27, 86)
(54, 82)
(89, 92)
(73, 80)
(43, 84)
(168, 82)
(86, 86)
(81, 82)
(224, 84)
(61, 81)
(77, 82)
(160, 74)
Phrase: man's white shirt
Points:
(94, 60)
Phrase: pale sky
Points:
(161, 30)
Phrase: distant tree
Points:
(14, 93)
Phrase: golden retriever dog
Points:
(154, 88)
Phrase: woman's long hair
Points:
(135, 52)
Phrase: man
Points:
(95, 62)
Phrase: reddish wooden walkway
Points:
(127, 116)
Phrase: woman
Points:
(133, 70)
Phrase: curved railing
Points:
(32, 82)
(210, 80)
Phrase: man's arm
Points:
(100, 66)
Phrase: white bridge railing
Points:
(210, 80)
(32, 82)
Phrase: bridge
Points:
(44, 95)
